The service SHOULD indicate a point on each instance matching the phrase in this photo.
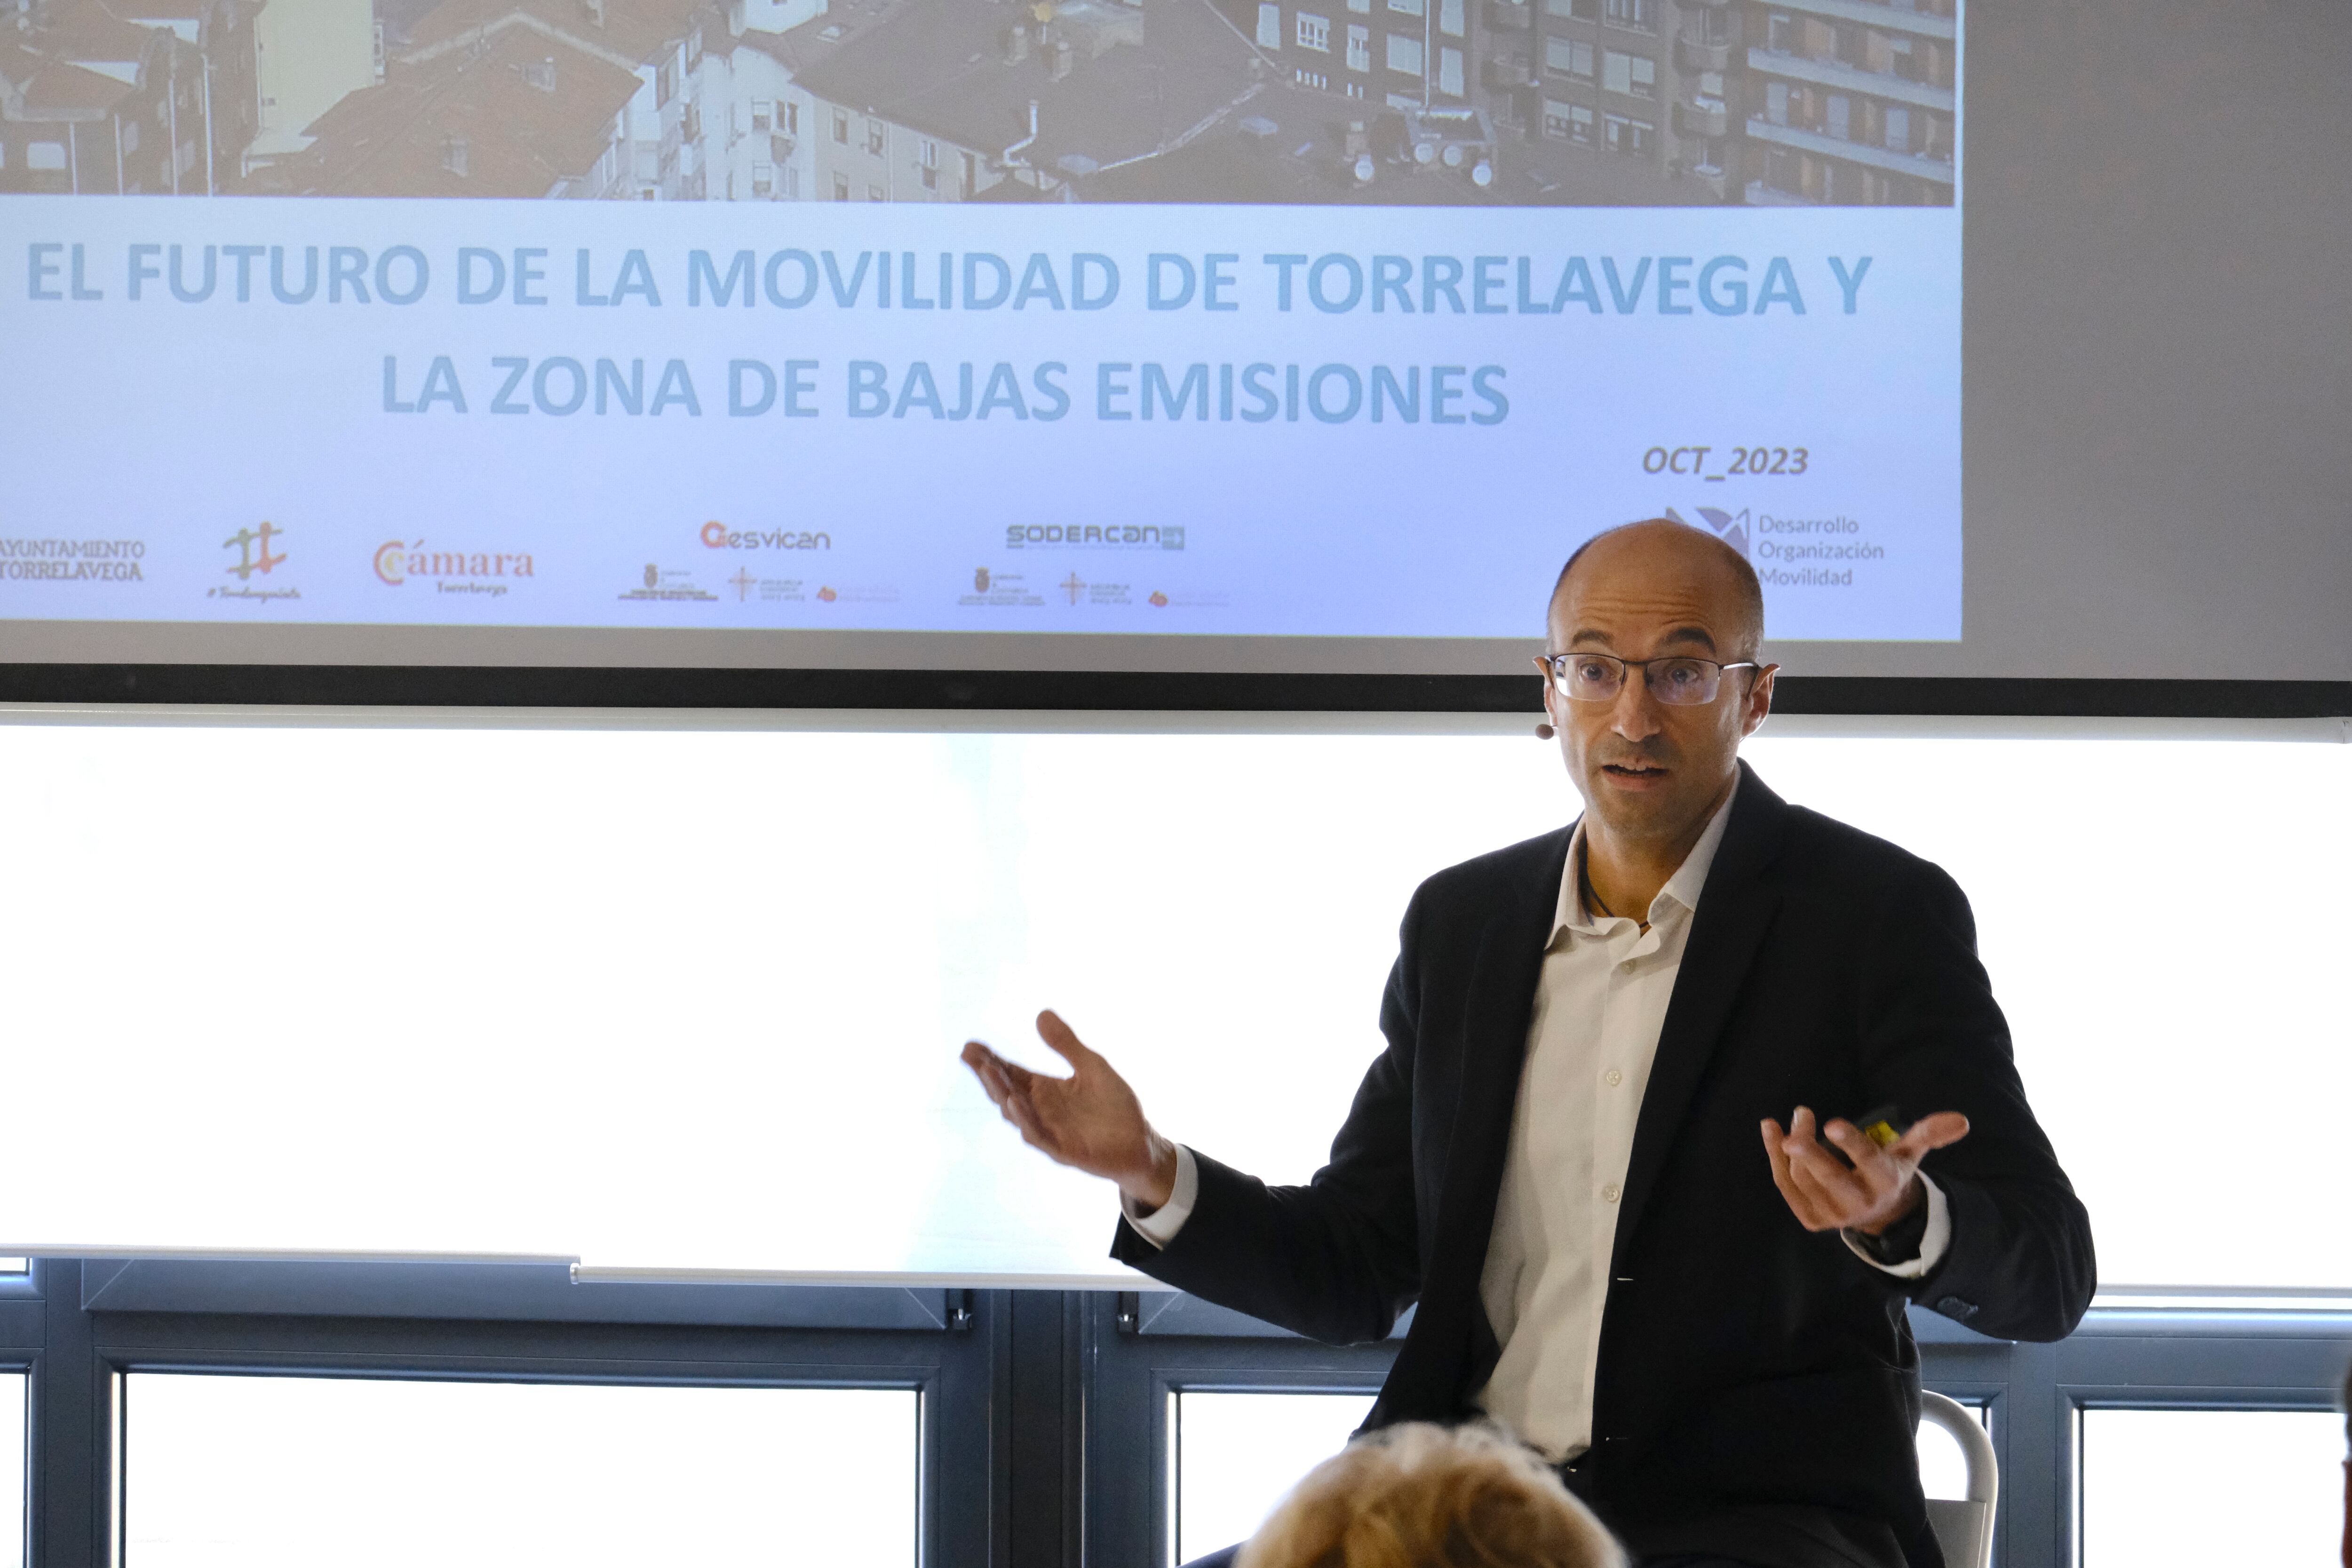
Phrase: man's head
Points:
(1651, 770)
(1418, 1496)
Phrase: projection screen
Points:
(1189, 316)
(1164, 335)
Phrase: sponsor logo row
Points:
(261, 563)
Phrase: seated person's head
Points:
(1417, 1496)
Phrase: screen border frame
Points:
(576, 687)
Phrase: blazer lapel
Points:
(1493, 1051)
(1734, 909)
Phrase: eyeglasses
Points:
(1600, 676)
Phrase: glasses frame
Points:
(1550, 664)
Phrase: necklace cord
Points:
(1592, 899)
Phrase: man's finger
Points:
(1799, 1203)
(1012, 1072)
(1007, 1098)
(1810, 1154)
(1814, 1208)
(1019, 1111)
(1013, 1080)
(1806, 1202)
(1937, 1131)
(977, 1056)
(1879, 1170)
(1805, 1149)
(1772, 1136)
(1064, 1041)
(1834, 1188)
(1806, 1173)
(984, 1067)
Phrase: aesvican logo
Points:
(450, 571)
(718, 536)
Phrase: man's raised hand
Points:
(1090, 1120)
(1878, 1189)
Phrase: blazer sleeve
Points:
(2019, 1265)
(1337, 1259)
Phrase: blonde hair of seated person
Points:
(1418, 1496)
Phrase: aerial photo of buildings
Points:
(1424, 102)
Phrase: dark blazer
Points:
(1758, 1388)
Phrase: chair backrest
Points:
(1964, 1527)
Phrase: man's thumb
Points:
(1936, 1132)
(1061, 1039)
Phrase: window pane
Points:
(818, 920)
(2185, 1488)
(535, 951)
(1238, 1454)
(287, 1472)
(12, 1469)
(2153, 917)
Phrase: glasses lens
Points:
(1591, 677)
(1684, 681)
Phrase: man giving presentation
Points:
(1620, 1147)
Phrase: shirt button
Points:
(1613, 1077)
(1608, 1193)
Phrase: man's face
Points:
(1650, 771)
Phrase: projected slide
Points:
(1307, 318)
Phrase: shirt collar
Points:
(1682, 888)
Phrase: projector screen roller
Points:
(1111, 317)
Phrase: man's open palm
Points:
(1090, 1120)
(1868, 1189)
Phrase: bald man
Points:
(1620, 1148)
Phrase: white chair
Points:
(1964, 1526)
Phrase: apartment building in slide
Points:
(1554, 102)
(125, 97)
(1853, 103)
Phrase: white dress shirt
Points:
(1599, 1007)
